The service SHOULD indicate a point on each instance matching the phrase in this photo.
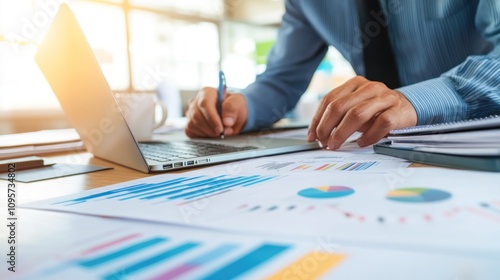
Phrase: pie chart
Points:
(418, 195)
(326, 192)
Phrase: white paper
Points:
(272, 204)
(67, 246)
(476, 136)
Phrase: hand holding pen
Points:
(216, 112)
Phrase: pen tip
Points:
(222, 136)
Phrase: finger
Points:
(346, 88)
(367, 125)
(383, 123)
(234, 114)
(355, 119)
(199, 127)
(196, 126)
(207, 104)
(336, 111)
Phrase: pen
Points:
(222, 90)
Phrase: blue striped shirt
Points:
(447, 53)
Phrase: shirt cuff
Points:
(250, 123)
(435, 101)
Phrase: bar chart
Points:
(182, 188)
(317, 166)
(138, 255)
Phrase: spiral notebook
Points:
(465, 125)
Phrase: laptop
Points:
(70, 67)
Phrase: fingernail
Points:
(360, 142)
(310, 137)
(229, 121)
(320, 144)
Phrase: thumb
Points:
(234, 113)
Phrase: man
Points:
(446, 57)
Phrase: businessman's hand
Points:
(360, 105)
(204, 121)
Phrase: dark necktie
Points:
(377, 51)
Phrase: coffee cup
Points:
(144, 112)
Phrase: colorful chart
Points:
(339, 166)
(418, 195)
(326, 192)
(182, 188)
(157, 257)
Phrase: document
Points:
(406, 208)
(84, 247)
(39, 142)
(474, 150)
(477, 136)
(464, 125)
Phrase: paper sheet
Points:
(410, 208)
(66, 246)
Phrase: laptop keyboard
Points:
(169, 151)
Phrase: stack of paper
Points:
(476, 142)
(39, 142)
(471, 144)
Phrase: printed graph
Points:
(313, 166)
(347, 166)
(278, 208)
(401, 218)
(158, 257)
(323, 192)
(493, 207)
(418, 195)
(487, 210)
(274, 166)
(182, 188)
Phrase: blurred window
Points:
(137, 43)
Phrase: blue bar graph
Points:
(251, 260)
(357, 166)
(364, 165)
(165, 257)
(146, 263)
(185, 188)
(122, 252)
(197, 262)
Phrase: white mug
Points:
(139, 110)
